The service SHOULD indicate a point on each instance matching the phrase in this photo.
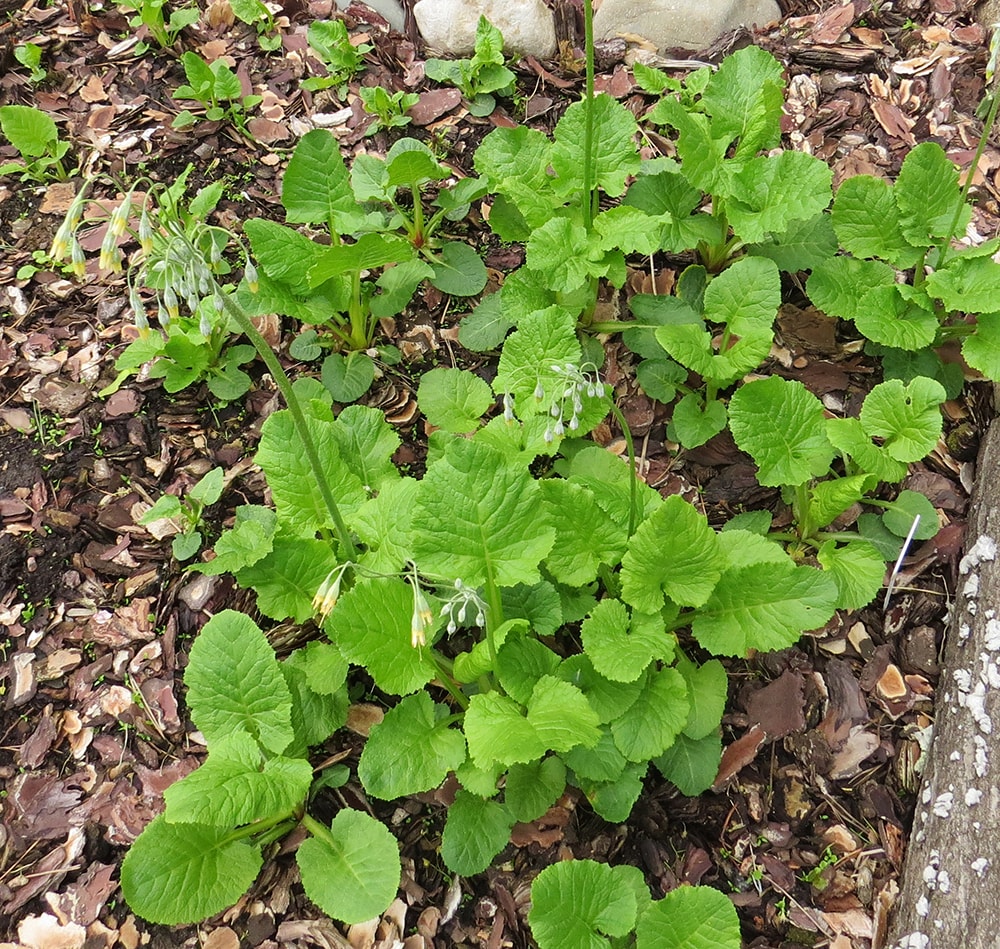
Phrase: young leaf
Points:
(829, 499)
(928, 195)
(907, 417)
(577, 903)
(235, 684)
(687, 917)
(694, 421)
(866, 219)
(655, 719)
(478, 517)
(708, 686)
(857, 568)
(686, 571)
(31, 131)
(453, 399)
(316, 188)
(899, 516)
(619, 648)
(781, 425)
(474, 833)
(289, 576)
(386, 605)
(691, 763)
(410, 750)
(614, 800)
(764, 606)
(216, 864)
(532, 788)
(352, 874)
(250, 539)
(231, 788)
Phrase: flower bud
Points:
(252, 278)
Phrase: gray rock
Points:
(681, 23)
(449, 26)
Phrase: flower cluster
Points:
(460, 604)
(329, 592)
(576, 382)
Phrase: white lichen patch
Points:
(964, 631)
(923, 907)
(993, 635)
(971, 589)
(985, 548)
(980, 865)
(955, 756)
(972, 797)
(982, 756)
(943, 804)
(914, 941)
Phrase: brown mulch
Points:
(807, 824)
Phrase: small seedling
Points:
(477, 78)
(388, 108)
(256, 14)
(36, 138)
(217, 88)
(149, 13)
(331, 42)
(29, 55)
(186, 513)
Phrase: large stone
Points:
(687, 24)
(449, 26)
(392, 10)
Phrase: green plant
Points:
(367, 226)
(150, 14)
(387, 108)
(949, 293)
(217, 88)
(29, 55)
(477, 78)
(331, 42)
(256, 14)
(579, 903)
(186, 513)
(36, 138)
(258, 716)
(782, 426)
(814, 877)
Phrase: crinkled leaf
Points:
(234, 683)
(585, 535)
(383, 523)
(372, 625)
(928, 195)
(906, 417)
(216, 869)
(474, 833)
(353, 874)
(849, 438)
(454, 399)
(659, 378)
(886, 316)
(857, 568)
(982, 349)
(829, 499)
(603, 762)
(316, 188)
(655, 718)
(316, 713)
(411, 750)
(516, 162)
(780, 424)
(691, 763)
(532, 788)
(621, 647)
(866, 219)
(837, 285)
(674, 552)
(560, 249)
(765, 606)
(286, 580)
(609, 699)
(803, 245)
(967, 284)
(367, 443)
(690, 917)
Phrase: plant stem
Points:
(634, 479)
(236, 311)
(589, 191)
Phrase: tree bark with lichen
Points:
(948, 894)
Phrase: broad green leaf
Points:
(744, 547)
(886, 316)
(764, 606)
(619, 648)
(745, 296)
(367, 253)
(289, 475)
(659, 378)
(234, 683)
(352, 871)
(561, 716)
(829, 499)
(848, 436)
(655, 719)
(866, 219)
(694, 421)
(701, 150)
(603, 762)
(325, 667)
(614, 800)
(560, 249)
(286, 580)
(772, 191)
(803, 245)
(690, 917)
(459, 271)
(410, 750)
(516, 162)
(615, 153)
(707, 686)
(485, 327)
(453, 399)
(685, 570)
(316, 188)
(383, 523)
(410, 164)
(372, 625)
(216, 864)
(524, 293)
(480, 781)
(871, 528)
(397, 285)
(232, 788)
(906, 366)
(744, 98)
(539, 605)
(837, 285)
(585, 535)
(250, 539)
(31, 131)
(671, 201)
(780, 424)
(608, 698)
(576, 904)
(691, 763)
(857, 568)
(982, 349)
(906, 417)
(316, 714)
(474, 833)
(651, 310)
(928, 195)
(609, 479)
(967, 284)
(899, 516)
(348, 376)
(478, 517)
(532, 788)
(367, 443)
